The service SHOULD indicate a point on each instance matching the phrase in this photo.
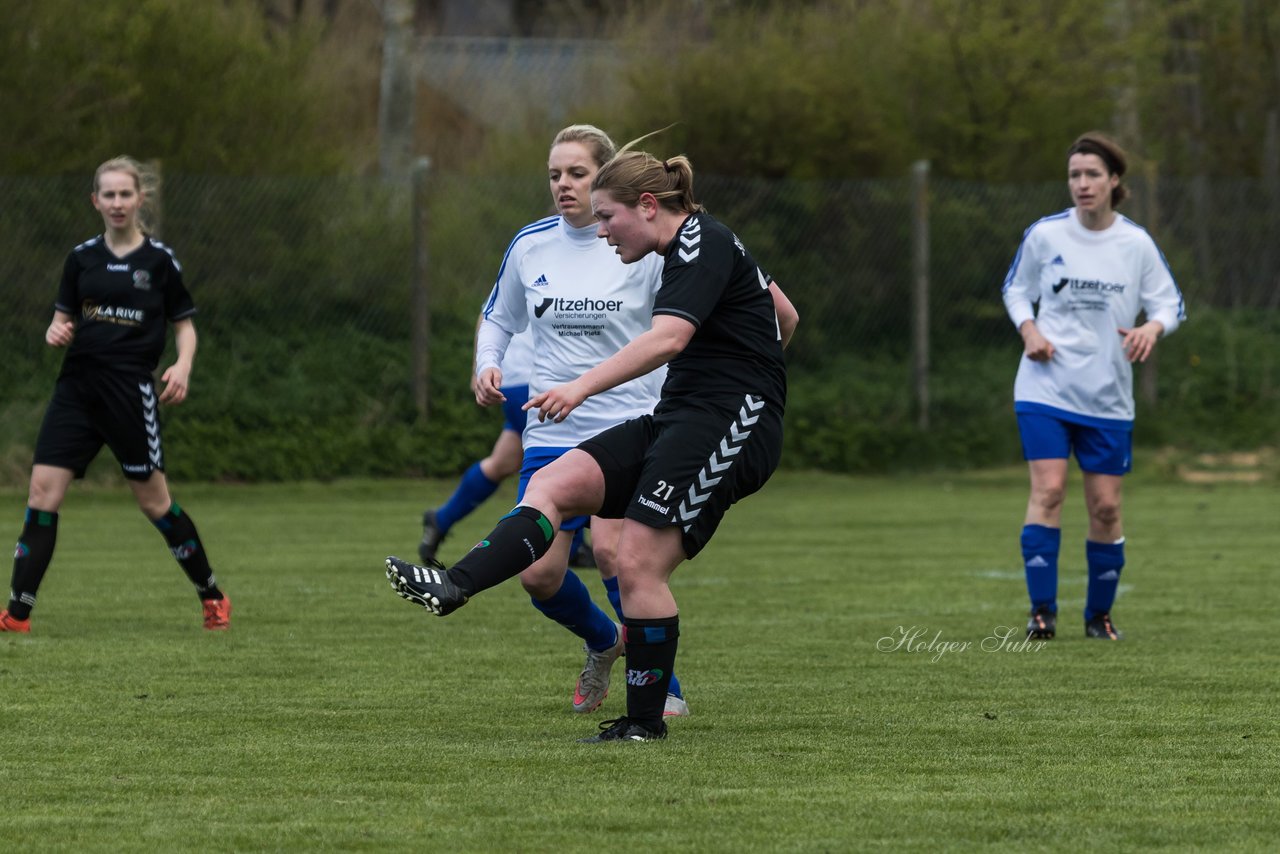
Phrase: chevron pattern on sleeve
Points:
(690, 240)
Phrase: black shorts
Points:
(686, 466)
(118, 410)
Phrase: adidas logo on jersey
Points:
(541, 281)
(1057, 260)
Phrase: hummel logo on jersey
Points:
(1111, 575)
(1037, 562)
(1057, 260)
(541, 281)
(117, 268)
(541, 308)
(690, 240)
(1061, 284)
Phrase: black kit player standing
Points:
(118, 293)
(714, 438)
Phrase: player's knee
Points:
(551, 493)
(44, 495)
(153, 503)
(542, 582)
(606, 555)
(498, 468)
(1049, 498)
(1106, 513)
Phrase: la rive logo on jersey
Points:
(120, 315)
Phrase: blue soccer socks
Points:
(1105, 562)
(473, 490)
(1040, 546)
(571, 607)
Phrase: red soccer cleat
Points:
(217, 614)
(9, 623)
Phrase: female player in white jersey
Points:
(1091, 270)
(715, 436)
(119, 293)
(580, 305)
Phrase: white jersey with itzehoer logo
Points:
(583, 305)
(1089, 284)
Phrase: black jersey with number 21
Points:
(710, 280)
(120, 305)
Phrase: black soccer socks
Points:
(180, 533)
(519, 539)
(651, 656)
(31, 557)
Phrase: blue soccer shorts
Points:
(1098, 450)
(513, 413)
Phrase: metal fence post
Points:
(396, 94)
(920, 289)
(420, 304)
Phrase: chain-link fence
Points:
(306, 287)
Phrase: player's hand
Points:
(1036, 346)
(60, 334)
(558, 402)
(488, 387)
(175, 381)
(1140, 342)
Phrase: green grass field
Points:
(336, 716)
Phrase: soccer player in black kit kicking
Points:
(118, 292)
(715, 437)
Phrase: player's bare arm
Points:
(788, 317)
(177, 377)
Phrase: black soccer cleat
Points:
(1043, 624)
(428, 586)
(432, 537)
(1102, 628)
(626, 729)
